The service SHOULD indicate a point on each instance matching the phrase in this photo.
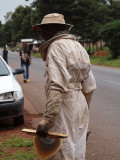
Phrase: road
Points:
(104, 141)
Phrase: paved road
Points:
(104, 141)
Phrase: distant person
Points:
(5, 54)
(12, 48)
(25, 61)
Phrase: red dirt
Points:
(7, 128)
(101, 53)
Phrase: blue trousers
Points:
(26, 71)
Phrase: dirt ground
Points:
(7, 127)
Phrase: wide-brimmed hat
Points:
(53, 18)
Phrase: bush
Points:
(110, 33)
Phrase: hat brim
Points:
(40, 27)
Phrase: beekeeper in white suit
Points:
(69, 86)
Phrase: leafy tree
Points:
(110, 33)
(0, 23)
(21, 23)
(7, 29)
(87, 16)
(114, 6)
(2, 41)
(44, 7)
(8, 16)
(6, 33)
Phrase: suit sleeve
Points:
(56, 73)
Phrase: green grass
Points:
(17, 148)
(106, 61)
(36, 55)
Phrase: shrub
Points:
(110, 33)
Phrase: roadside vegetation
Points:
(105, 61)
(17, 148)
(36, 55)
(104, 57)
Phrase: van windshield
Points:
(3, 69)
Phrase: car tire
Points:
(18, 120)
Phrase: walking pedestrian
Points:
(69, 82)
(5, 54)
(25, 61)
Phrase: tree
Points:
(0, 23)
(44, 7)
(2, 41)
(88, 17)
(114, 6)
(21, 23)
(6, 33)
(8, 16)
(7, 29)
(110, 33)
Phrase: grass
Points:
(17, 148)
(106, 61)
(36, 55)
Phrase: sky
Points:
(10, 6)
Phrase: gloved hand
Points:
(42, 130)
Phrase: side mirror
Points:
(18, 71)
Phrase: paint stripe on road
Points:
(113, 82)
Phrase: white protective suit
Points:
(68, 77)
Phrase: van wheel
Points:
(18, 120)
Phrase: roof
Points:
(27, 40)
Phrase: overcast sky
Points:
(10, 5)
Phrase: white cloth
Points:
(68, 66)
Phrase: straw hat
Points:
(53, 18)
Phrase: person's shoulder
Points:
(79, 44)
(57, 42)
(60, 40)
